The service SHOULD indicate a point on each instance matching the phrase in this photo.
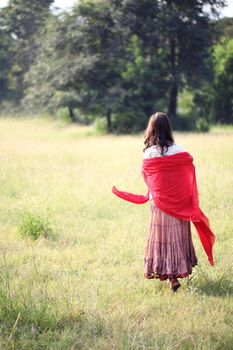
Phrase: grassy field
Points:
(83, 288)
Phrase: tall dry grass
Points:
(84, 289)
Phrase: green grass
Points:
(85, 289)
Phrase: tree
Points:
(6, 66)
(85, 61)
(122, 59)
(223, 80)
(22, 21)
(213, 98)
(187, 36)
(144, 85)
(222, 27)
(178, 29)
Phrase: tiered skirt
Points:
(169, 250)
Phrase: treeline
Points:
(120, 60)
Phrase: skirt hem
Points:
(163, 277)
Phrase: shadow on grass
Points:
(216, 284)
(220, 287)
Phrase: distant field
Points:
(84, 288)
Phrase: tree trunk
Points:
(71, 114)
(109, 121)
(172, 107)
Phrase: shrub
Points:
(202, 125)
(184, 123)
(63, 115)
(35, 226)
(100, 125)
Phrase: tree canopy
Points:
(118, 59)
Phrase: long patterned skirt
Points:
(169, 251)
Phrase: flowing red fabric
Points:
(172, 182)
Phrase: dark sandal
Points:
(174, 284)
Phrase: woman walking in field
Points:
(169, 173)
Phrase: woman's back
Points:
(155, 151)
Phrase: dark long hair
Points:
(158, 132)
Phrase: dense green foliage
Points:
(120, 60)
(20, 24)
(223, 83)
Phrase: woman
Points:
(170, 176)
(169, 253)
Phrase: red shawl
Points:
(172, 183)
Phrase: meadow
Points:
(83, 287)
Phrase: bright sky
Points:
(58, 3)
(227, 11)
(65, 4)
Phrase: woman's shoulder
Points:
(175, 148)
(178, 147)
(151, 152)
